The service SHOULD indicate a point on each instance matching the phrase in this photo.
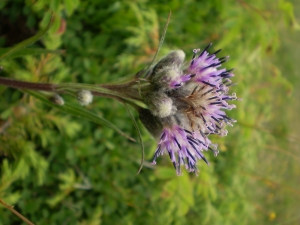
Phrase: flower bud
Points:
(173, 59)
(57, 99)
(152, 123)
(160, 104)
(84, 97)
(167, 79)
(167, 74)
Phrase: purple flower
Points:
(188, 105)
(183, 147)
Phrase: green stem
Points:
(16, 212)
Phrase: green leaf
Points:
(54, 5)
(70, 5)
(181, 192)
(28, 51)
(140, 138)
(26, 42)
(165, 173)
(79, 111)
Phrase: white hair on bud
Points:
(166, 74)
(84, 97)
(174, 59)
(180, 56)
(166, 77)
(160, 104)
(166, 108)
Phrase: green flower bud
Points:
(167, 74)
(160, 104)
(167, 79)
(152, 123)
(173, 59)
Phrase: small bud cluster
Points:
(187, 106)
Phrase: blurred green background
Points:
(61, 169)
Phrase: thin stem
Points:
(27, 85)
(125, 93)
(140, 137)
(96, 93)
(159, 47)
(16, 212)
(128, 84)
(62, 88)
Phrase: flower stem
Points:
(27, 85)
(121, 92)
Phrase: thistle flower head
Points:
(187, 105)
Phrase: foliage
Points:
(60, 169)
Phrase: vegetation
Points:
(59, 168)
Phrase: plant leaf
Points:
(79, 111)
(140, 138)
(160, 44)
(27, 42)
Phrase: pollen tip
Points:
(153, 163)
